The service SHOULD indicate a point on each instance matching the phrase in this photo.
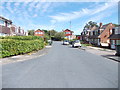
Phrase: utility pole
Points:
(70, 25)
(70, 29)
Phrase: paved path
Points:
(107, 53)
(62, 67)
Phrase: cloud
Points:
(38, 6)
(35, 26)
(16, 4)
(35, 15)
(103, 7)
(62, 17)
(60, 0)
(25, 4)
(99, 17)
(32, 6)
(8, 6)
(46, 6)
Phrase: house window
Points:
(67, 32)
(112, 42)
(1, 22)
(36, 32)
(117, 30)
(39, 33)
(117, 42)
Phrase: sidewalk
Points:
(28, 56)
(107, 53)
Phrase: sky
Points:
(58, 15)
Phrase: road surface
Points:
(62, 67)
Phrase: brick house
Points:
(17, 31)
(8, 29)
(85, 34)
(115, 37)
(4, 26)
(105, 32)
(39, 33)
(68, 34)
(99, 35)
(93, 36)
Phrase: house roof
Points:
(2, 18)
(114, 36)
(67, 30)
(39, 30)
(94, 28)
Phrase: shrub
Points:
(22, 37)
(19, 45)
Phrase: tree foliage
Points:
(90, 24)
(52, 33)
(59, 36)
(31, 32)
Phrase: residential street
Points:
(62, 67)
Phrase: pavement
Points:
(62, 67)
(107, 53)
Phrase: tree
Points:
(52, 33)
(116, 25)
(59, 36)
(45, 31)
(31, 32)
(90, 24)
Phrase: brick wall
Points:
(106, 33)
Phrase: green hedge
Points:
(21, 37)
(10, 47)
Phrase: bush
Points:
(20, 45)
(22, 37)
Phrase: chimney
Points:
(23, 31)
(100, 25)
(111, 24)
(19, 30)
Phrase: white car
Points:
(76, 43)
(65, 42)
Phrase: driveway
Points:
(62, 67)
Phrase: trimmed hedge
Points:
(21, 37)
(16, 46)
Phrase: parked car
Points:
(50, 42)
(76, 43)
(71, 42)
(66, 42)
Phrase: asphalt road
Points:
(62, 67)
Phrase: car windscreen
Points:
(77, 41)
(66, 41)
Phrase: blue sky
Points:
(57, 15)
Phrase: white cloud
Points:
(31, 6)
(25, 4)
(34, 26)
(103, 7)
(60, 0)
(62, 17)
(8, 6)
(35, 15)
(38, 6)
(46, 6)
(16, 4)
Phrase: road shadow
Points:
(112, 57)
